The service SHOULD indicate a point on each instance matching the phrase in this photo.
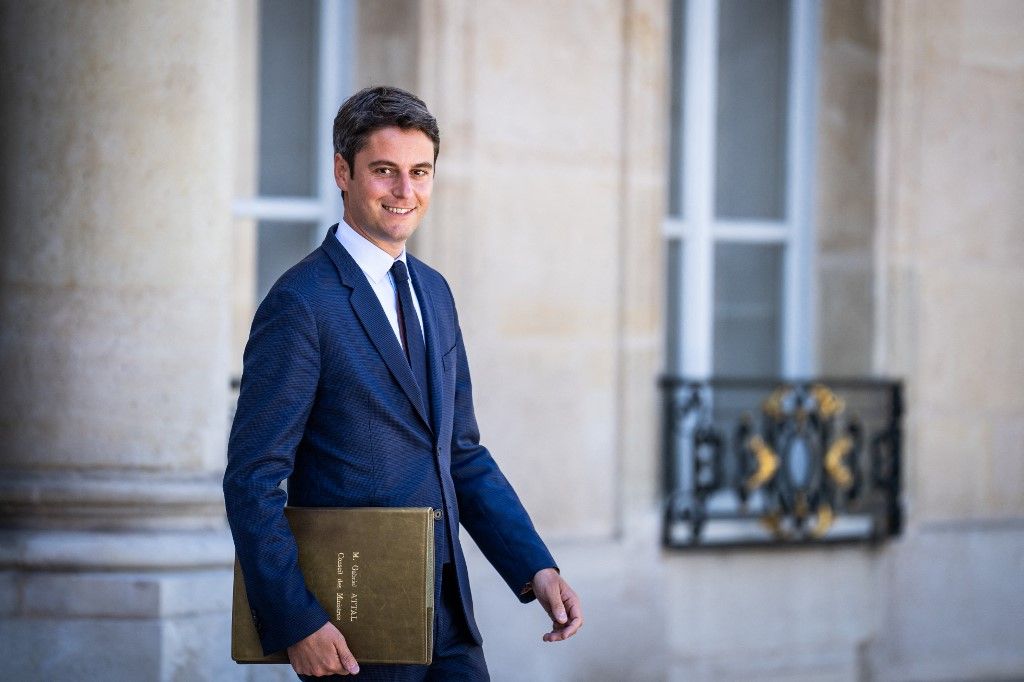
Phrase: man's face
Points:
(388, 193)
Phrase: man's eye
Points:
(382, 171)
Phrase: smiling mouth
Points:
(398, 211)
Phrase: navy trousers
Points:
(456, 656)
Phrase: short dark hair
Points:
(378, 107)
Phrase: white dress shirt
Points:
(376, 265)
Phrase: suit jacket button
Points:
(437, 514)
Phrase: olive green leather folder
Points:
(372, 569)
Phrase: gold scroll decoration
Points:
(767, 463)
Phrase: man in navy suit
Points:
(356, 388)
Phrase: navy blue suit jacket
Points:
(328, 401)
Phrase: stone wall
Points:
(951, 321)
(845, 220)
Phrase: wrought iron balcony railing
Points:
(770, 462)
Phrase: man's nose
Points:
(402, 186)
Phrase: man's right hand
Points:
(324, 652)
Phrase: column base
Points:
(172, 625)
(117, 576)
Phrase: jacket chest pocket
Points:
(449, 359)
(449, 367)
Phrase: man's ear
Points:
(342, 176)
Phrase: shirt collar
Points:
(374, 261)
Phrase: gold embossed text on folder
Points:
(372, 569)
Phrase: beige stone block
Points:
(639, 455)
(528, 263)
(63, 621)
(954, 601)
(126, 120)
(847, 126)
(935, 24)
(108, 550)
(1007, 472)
(644, 263)
(548, 265)
(624, 605)
(838, 663)
(532, 98)
(126, 595)
(547, 412)
(267, 673)
(764, 602)
(845, 317)
(50, 649)
(114, 378)
(243, 284)
(646, 90)
(194, 648)
(972, 156)
(991, 34)
(446, 64)
(845, 213)
(971, 326)
(78, 595)
(897, 346)
(900, 112)
(388, 49)
(951, 465)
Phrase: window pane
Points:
(278, 247)
(288, 97)
(753, 66)
(676, 120)
(748, 309)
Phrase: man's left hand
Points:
(561, 603)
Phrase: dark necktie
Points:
(412, 336)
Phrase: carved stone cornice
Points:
(109, 500)
(55, 550)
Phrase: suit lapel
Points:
(367, 308)
(430, 333)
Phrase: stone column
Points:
(115, 256)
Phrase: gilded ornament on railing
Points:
(767, 463)
(835, 462)
(806, 468)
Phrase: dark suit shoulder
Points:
(310, 278)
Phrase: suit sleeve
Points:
(489, 507)
(281, 369)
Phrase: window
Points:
(757, 451)
(304, 55)
(739, 225)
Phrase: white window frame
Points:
(700, 231)
(335, 79)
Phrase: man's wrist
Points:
(539, 573)
(528, 587)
